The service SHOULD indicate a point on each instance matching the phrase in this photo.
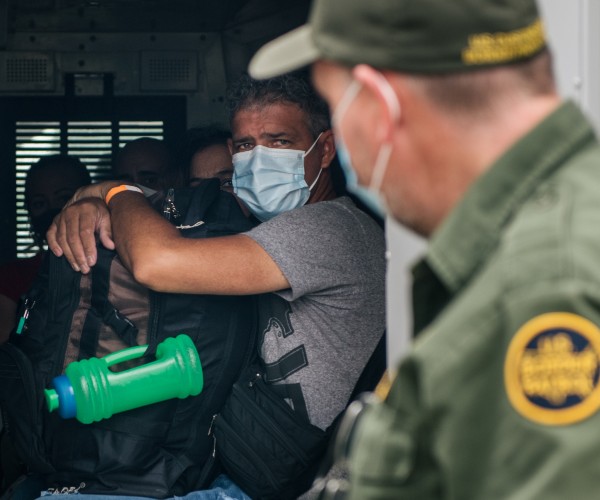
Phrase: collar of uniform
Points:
(471, 231)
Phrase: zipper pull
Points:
(210, 431)
(27, 307)
(212, 423)
(169, 209)
(253, 380)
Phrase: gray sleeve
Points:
(324, 247)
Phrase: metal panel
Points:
(163, 70)
(404, 248)
(572, 30)
(3, 23)
(134, 60)
(26, 71)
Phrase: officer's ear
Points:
(378, 86)
(327, 148)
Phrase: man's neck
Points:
(464, 150)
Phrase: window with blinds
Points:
(91, 141)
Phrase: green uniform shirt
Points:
(499, 397)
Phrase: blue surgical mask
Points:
(271, 180)
(370, 196)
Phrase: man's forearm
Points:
(140, 233)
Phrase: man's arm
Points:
(159, 257)
(73, 231)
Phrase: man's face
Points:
(212, 161)
(279, 126)
(146, 170)
(49, 190)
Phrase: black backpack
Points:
(157, 450)
(270, 451)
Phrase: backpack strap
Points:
(367, 382)
(202, 197)
(107, 313)
(373, 370)
(220, 208)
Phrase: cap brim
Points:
(289, 52)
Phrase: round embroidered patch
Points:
(552, 369)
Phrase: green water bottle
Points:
(91, 392)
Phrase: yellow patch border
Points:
(516, 349)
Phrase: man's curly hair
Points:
(248, 93)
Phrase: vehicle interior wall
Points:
(84, 76)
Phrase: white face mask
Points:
(271, 180)
(371, 196)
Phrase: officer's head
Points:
(409, 82)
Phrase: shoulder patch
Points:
(551, 371)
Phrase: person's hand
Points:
(99, 190)
(73, 231)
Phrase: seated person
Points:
(49, 184)
(317, 261)
(146, 161)
(206, 154)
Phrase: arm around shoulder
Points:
(227, 265)
(162, 259)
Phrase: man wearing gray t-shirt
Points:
(317, 258)
(316, 334)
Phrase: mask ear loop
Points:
(313, 146)
(306, 154)
(351, 92)
(315, 181)
(386, 149)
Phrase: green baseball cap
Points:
(411, 36)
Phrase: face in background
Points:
(285, 126)
(144, 161)
(48, 190)
(212, 161)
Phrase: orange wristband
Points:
(120, 189)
